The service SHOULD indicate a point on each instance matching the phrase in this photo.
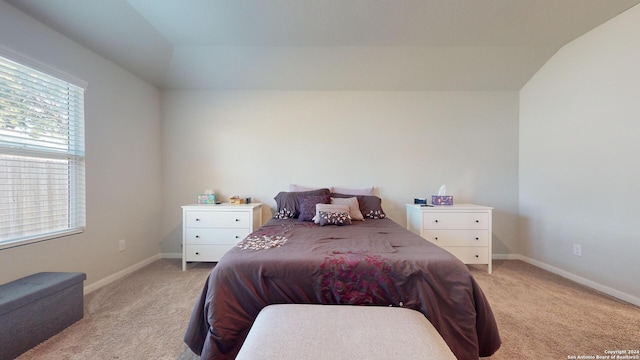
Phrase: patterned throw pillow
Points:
(339, 218)
(308, 205)
(329, 207)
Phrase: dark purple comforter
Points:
(372, 262)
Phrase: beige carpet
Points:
(543, 316)
(142, 316)
(540, 316)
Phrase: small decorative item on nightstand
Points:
(209, 197)
(236, 200)
(442, 198)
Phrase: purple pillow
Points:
(308, 205)
(287, 206)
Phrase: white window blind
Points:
(42, 172)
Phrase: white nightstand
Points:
(464, 230)
(209, 231)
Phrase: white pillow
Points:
(346, 191)
(352, 203)
(329, 207)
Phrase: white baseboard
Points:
(573, 277)
(506, 257)
(120, 274)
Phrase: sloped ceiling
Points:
(326, 44)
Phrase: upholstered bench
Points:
(36, 307)
(294, 331)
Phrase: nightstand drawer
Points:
(455, 220)
(206, 252)
(457, 237)
(469, 254)
(218, 219)
(214, 236)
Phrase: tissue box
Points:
(442, 199)
(207, 198)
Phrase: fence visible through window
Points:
(42, 172)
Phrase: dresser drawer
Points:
(457, 237)
(469, 254)
(465, 230)
(218, 219)
(455, 220)
(205, 252)
(214, 236)
(209, 231)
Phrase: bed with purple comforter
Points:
(371, 262)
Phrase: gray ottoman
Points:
(295, 331)
(34, 308)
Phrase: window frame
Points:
(74, 226)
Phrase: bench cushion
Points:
(295, 331)
(34, 308)
(34, 287)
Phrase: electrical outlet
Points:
(577, 249)
(122, 245)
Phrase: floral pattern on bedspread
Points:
(358, 279)
(261, 242)
(265, 238)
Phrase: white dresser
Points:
(463, 229)
(209, 231)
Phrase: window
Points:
(42, 192)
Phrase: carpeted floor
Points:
(540, 316)
(141, 316)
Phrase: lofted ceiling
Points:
(326, 44)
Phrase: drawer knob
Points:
(237, 219)
(477, 221)
(197, 236)
(197, 219)
(436, 220)
(237, 236)
(477, 238)
(436, 238)
(197, 253)
(477, 256)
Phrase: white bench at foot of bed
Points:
(296, 331)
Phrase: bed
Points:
(372, 262)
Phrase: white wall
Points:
(406, 144)
(123, 179)
(579, 158)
